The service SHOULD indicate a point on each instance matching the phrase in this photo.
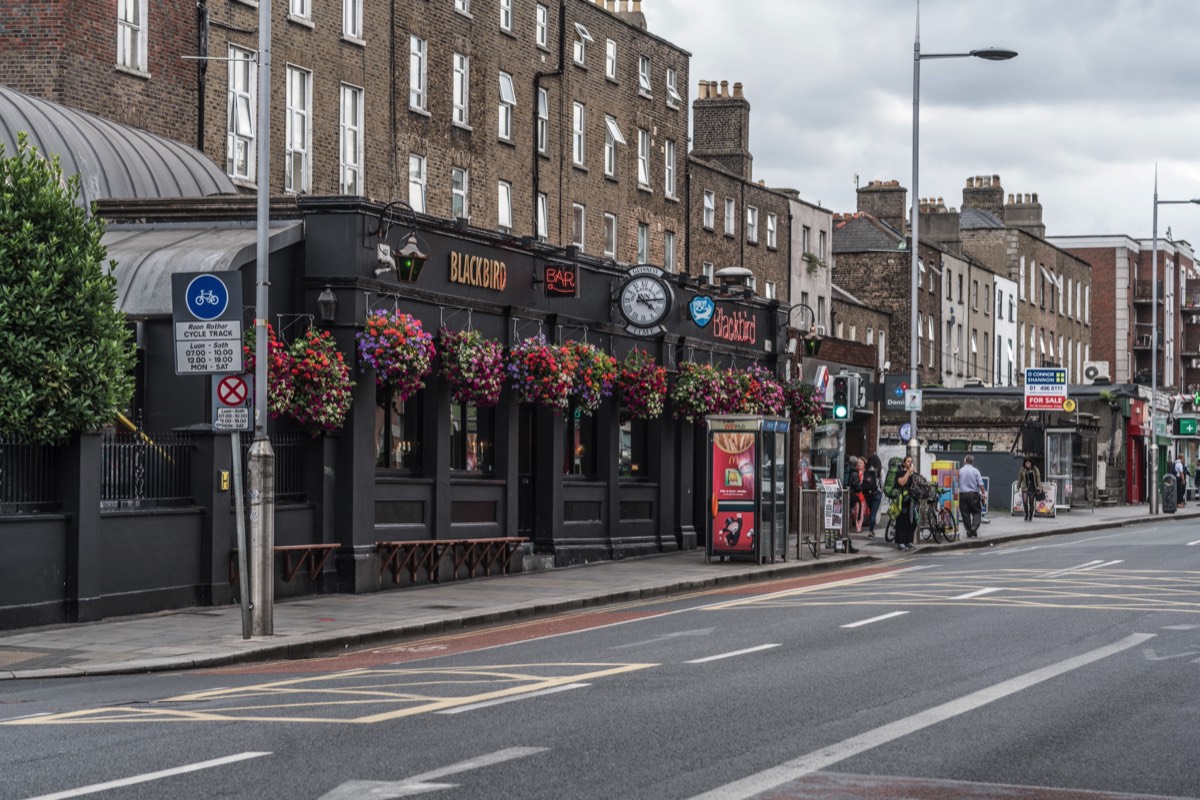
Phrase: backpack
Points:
(893, 472)
(870, 482)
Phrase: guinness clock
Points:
(645, 300)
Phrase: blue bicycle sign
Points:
(207, 297)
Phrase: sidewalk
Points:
(323, 624)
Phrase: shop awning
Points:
(147, 256)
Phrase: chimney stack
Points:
(984, 192)
(885, 200)
(1025, 213)
(721, 128)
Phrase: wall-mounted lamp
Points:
(406, 262)
(327, 305)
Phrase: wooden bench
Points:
(426, 556)
(295, 556)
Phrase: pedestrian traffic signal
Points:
(841, 397)
(812, 346)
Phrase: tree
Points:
(66, 359)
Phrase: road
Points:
(1062, 668)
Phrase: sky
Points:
(1101, 92)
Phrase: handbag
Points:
(1039, 495)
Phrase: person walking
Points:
(1029, 482)
(905, 524)
(854, 489)
(970, 496)
(872, 490)
(1181, 474)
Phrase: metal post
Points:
(239, 505)
(914, 446)
(262, 457)
(1154, 488)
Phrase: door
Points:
(525, 486)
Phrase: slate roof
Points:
(978, 218)
(113, 161)
(859, 232)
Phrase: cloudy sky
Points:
(1101, 91)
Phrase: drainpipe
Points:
(201, 69)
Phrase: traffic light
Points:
(812, 346)
(841, 397)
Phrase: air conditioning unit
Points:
(1096, 372)
(820, 330)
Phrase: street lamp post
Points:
(989, 54)
(1154, 489)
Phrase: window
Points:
(1022, 281)
(610, 60)
(416, 182)
(921, 274)
(612, 138)
(707, 270)
(635, 449)
(543, 119)
(806, 241)
(299, 130)
(460, 193)
(752, 224)
(730, 210)
(772, 228)
(300, 8)
(769, 290)
(920, 338)
(1087, 304)
(932, 349)
(472, 438)
(462, 89)
(508, 99)
(644, 84)
(352, 19)
(669, 168)
(462, 6)
(643, 158)
(417, 78)
(579, 433)
(578, 225)
(821, 252)
(643, 243)
(710, 210)
(610, 235)
(542, 26)
(974, 294)
(543, 217)
(882, 347)
(987, 299)
(821, 311)
(506, 12)
(351, 140)
(673, 98)
(960, 288)
(398, 434)
(581, 43)
(870, 335)
(578, 134)
(853, 333)
(131, 34)
(669, 251)
(243, 106)
(504, 206)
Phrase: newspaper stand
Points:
(748, 487)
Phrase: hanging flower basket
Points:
(398, 349)
(279, 371)
(321, 380)
(699, 391)
(755, 391)
(594, 377)
(642, 386)
(473, 367)
(805, 405)
(540, 372)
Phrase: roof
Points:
(978, 218)
(855, 233)
(112, 160)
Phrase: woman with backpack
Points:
(854, 487)
(905, 523)
(871, 490)
(1029, 483)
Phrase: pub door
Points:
(525, 485)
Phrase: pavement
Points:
(326, 624)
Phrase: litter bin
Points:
(1168, 498)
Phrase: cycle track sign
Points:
(207, 319)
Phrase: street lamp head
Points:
(994, 54)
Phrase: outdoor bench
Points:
(295, 556)
(426, 556)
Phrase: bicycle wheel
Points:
(949, 525)
(933, 525)
(889, 533)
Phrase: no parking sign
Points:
(232, 401)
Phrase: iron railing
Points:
(289, 465)
(28, 477)
(145, 470)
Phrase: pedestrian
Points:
(905, 524)
(1029, 482)
(854, 489)
(970, 496)
(1180, 480)
(872, 483)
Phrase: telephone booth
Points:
(748, 487)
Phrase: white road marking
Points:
(875, 619)
(666, 637)
(1100, 566)
(1193, 544)
(1180, 627)
(977, 593)
(731, 655)
(25, 716)
(419, 784)
(149, 776)
(820, 759)
(1076, 568)
(501, 701)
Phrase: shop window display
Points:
(398, 433)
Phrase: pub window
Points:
(634, 455)
(472, 439)
(580, 437)
(398, 433)
(131, 34)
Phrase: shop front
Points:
(1137, 429)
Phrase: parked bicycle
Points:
(935, 517)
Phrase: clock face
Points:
(645, 301)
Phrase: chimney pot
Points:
(970, 183)
(724, 89)
(1035, 197)
(637, 6)
(1010, 198)
(737, 90)
(996, 180)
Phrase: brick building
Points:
(855, 321)
(812, 262)
(734, 221)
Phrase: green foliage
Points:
(66, 360)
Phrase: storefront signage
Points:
(733, 491)
(645, 300)
(485, 273)
(561, 280)
(740, 326)
(207, 319)
(1185, 426)
(701, 310)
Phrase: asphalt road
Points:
(1062, 668)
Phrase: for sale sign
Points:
(1045, 389)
